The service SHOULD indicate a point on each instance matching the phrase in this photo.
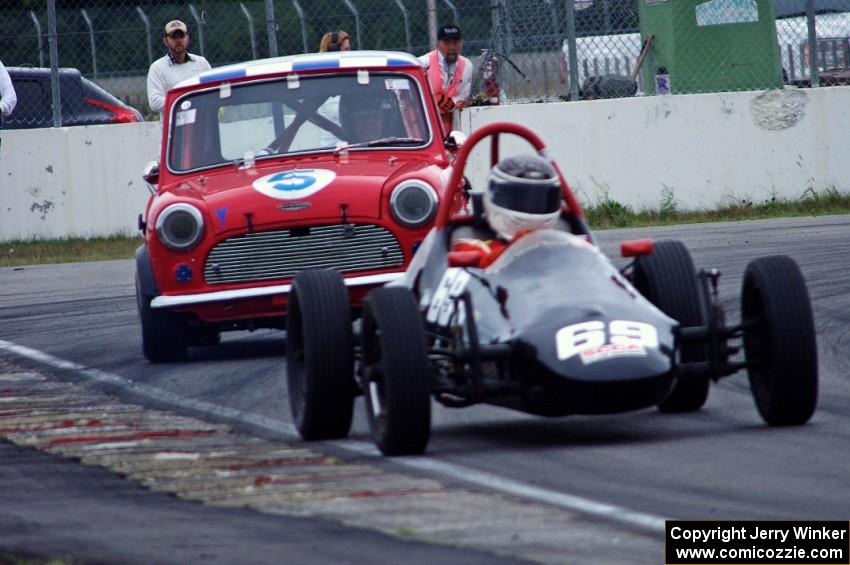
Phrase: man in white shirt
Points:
(449, 74)
(177, 65)
(8, 98)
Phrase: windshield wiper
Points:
(382, 142)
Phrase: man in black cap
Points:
(449, 74)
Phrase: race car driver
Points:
(523, 194)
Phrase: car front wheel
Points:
(320, 355)
(395, 372)
(163, 332)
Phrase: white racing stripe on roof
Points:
(350, 62)
(269, 68)
(489, 481)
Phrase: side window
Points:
(73, 111)
(33, 109)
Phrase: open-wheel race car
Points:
(551, 327)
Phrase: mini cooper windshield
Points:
(236, 122)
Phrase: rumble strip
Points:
(197, 460)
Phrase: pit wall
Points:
(80, 181)
(693, 152)
(689, 152)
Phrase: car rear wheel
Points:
(320, 355)
(667, 278)
(396, 374)
(780, 345)
(163, 332)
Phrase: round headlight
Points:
(413, 203)
(180, 226)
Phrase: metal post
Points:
(509, 36)
(250, 29)
(53, 42)
(452, 7)
(200, 22)
(606, 15)
(354, 11)
(91, 41)
(496, 24)
(271, 28)
(432, 23)
(38, 33)
(406, 17)
(147, 23)
(303, 25)
(814, 73)
(572, 53)
(556, 24)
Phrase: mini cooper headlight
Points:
(180, 227)
(413, 203)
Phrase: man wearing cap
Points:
(449, 73)
(178, 64)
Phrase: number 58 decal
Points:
(593, 341)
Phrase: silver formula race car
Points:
(550, 328)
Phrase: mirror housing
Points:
(150, 174)
(636, 247)
(455, 140)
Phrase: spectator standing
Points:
(332, 41)
(8, 98)
(335, 41)
(177, 65)
(449, 74)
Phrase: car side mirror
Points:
(455, 140)
(150, 174)
(636, 247)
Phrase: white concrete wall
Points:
(700, 150)
(76, 181)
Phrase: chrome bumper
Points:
(242, 293)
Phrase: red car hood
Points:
(274, 193)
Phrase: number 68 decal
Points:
(593, 341)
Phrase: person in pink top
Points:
(449, 74)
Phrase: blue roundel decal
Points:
(294, 184)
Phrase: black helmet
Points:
(523, 193)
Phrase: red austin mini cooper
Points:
(332, 160)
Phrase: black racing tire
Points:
(320, 355)
(397, 380)
(203, 337)
(667, 278)
(163, 332)
(781, 345)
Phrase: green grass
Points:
(21, 560)
(72, 250)
(611, 214)
(605, 214)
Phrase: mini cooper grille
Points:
(280, 254)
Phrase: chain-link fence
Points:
(545, 49)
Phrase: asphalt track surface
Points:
(719, 463)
